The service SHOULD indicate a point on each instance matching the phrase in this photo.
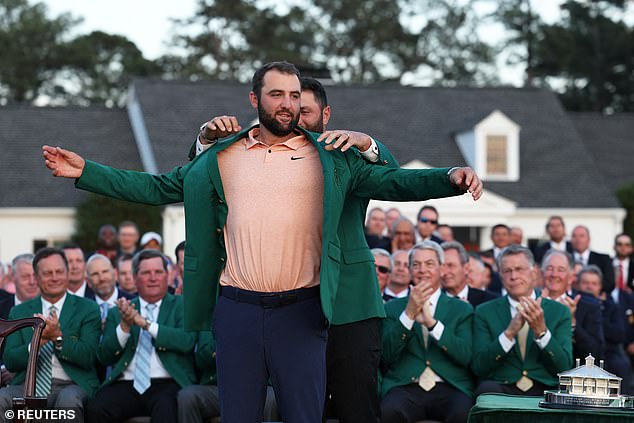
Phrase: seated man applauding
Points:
(520, 342)
(150, 353)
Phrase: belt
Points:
(269, 299)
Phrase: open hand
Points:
(466, 179)
(62, 162)
(343, 140)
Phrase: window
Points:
(496, 155)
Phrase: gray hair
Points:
(96, 257)
(21, 258)
(399, 220)
(592, 269)
(551, 253)
(384, 253)
(426, 245)
(513, 250)
(478, 260)
(455, 245)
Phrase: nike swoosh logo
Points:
(296, 158)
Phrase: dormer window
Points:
(491, 147)
(497, 153)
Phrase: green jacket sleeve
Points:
(393, 184)
(206, 352)
(138, 187)
(395, 335)
(109, 349)
(557, 355)
(456, 339)
(80, 350)
(487, 350)
(171, 336)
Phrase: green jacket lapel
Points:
(166, 306)
(68, 310)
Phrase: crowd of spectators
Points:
(459, 323)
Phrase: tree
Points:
(448, 49)
(358, 41)
(98, 210)
(31, 48)
(523, 26)
(237, 36)
(592, 51)
(99, 68)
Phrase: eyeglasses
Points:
(425, 220)
(623, 244)
(382, 269)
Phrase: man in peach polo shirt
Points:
(354, 337)
(262, 211)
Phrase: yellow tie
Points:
(521, 339)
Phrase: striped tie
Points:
(144, 352)
(104, 311)
(44, 375)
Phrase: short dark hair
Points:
(46, 252)
(551, 218)
(432, 208)
(311, 84)
(145, 255)
(124, 257)
(258, 76)
(500, 225)
(71, 246)
(179, 247)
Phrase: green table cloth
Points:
(499, 408)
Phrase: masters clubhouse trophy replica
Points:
(588, 386)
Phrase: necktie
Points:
(521, 340)
(524, 383)
(387, 297)
(144, 352)
(427, 379)
(44, 376)
(104, 311)
(620, 282)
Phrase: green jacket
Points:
(404, 354)
(80, 323)
(358, 295)
(173, 345)
(199, 186)
(206, 358)
(490, 362)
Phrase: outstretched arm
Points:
(126, 185)
(64, 163)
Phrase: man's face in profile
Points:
(311, 114)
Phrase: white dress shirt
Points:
(404, 293)
(58, 371)
(81, 292)
(111, 301)
(156, 367)
(507, 344)
(462, 295)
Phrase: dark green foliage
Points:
(98, 210)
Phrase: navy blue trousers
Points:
(286, 343)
